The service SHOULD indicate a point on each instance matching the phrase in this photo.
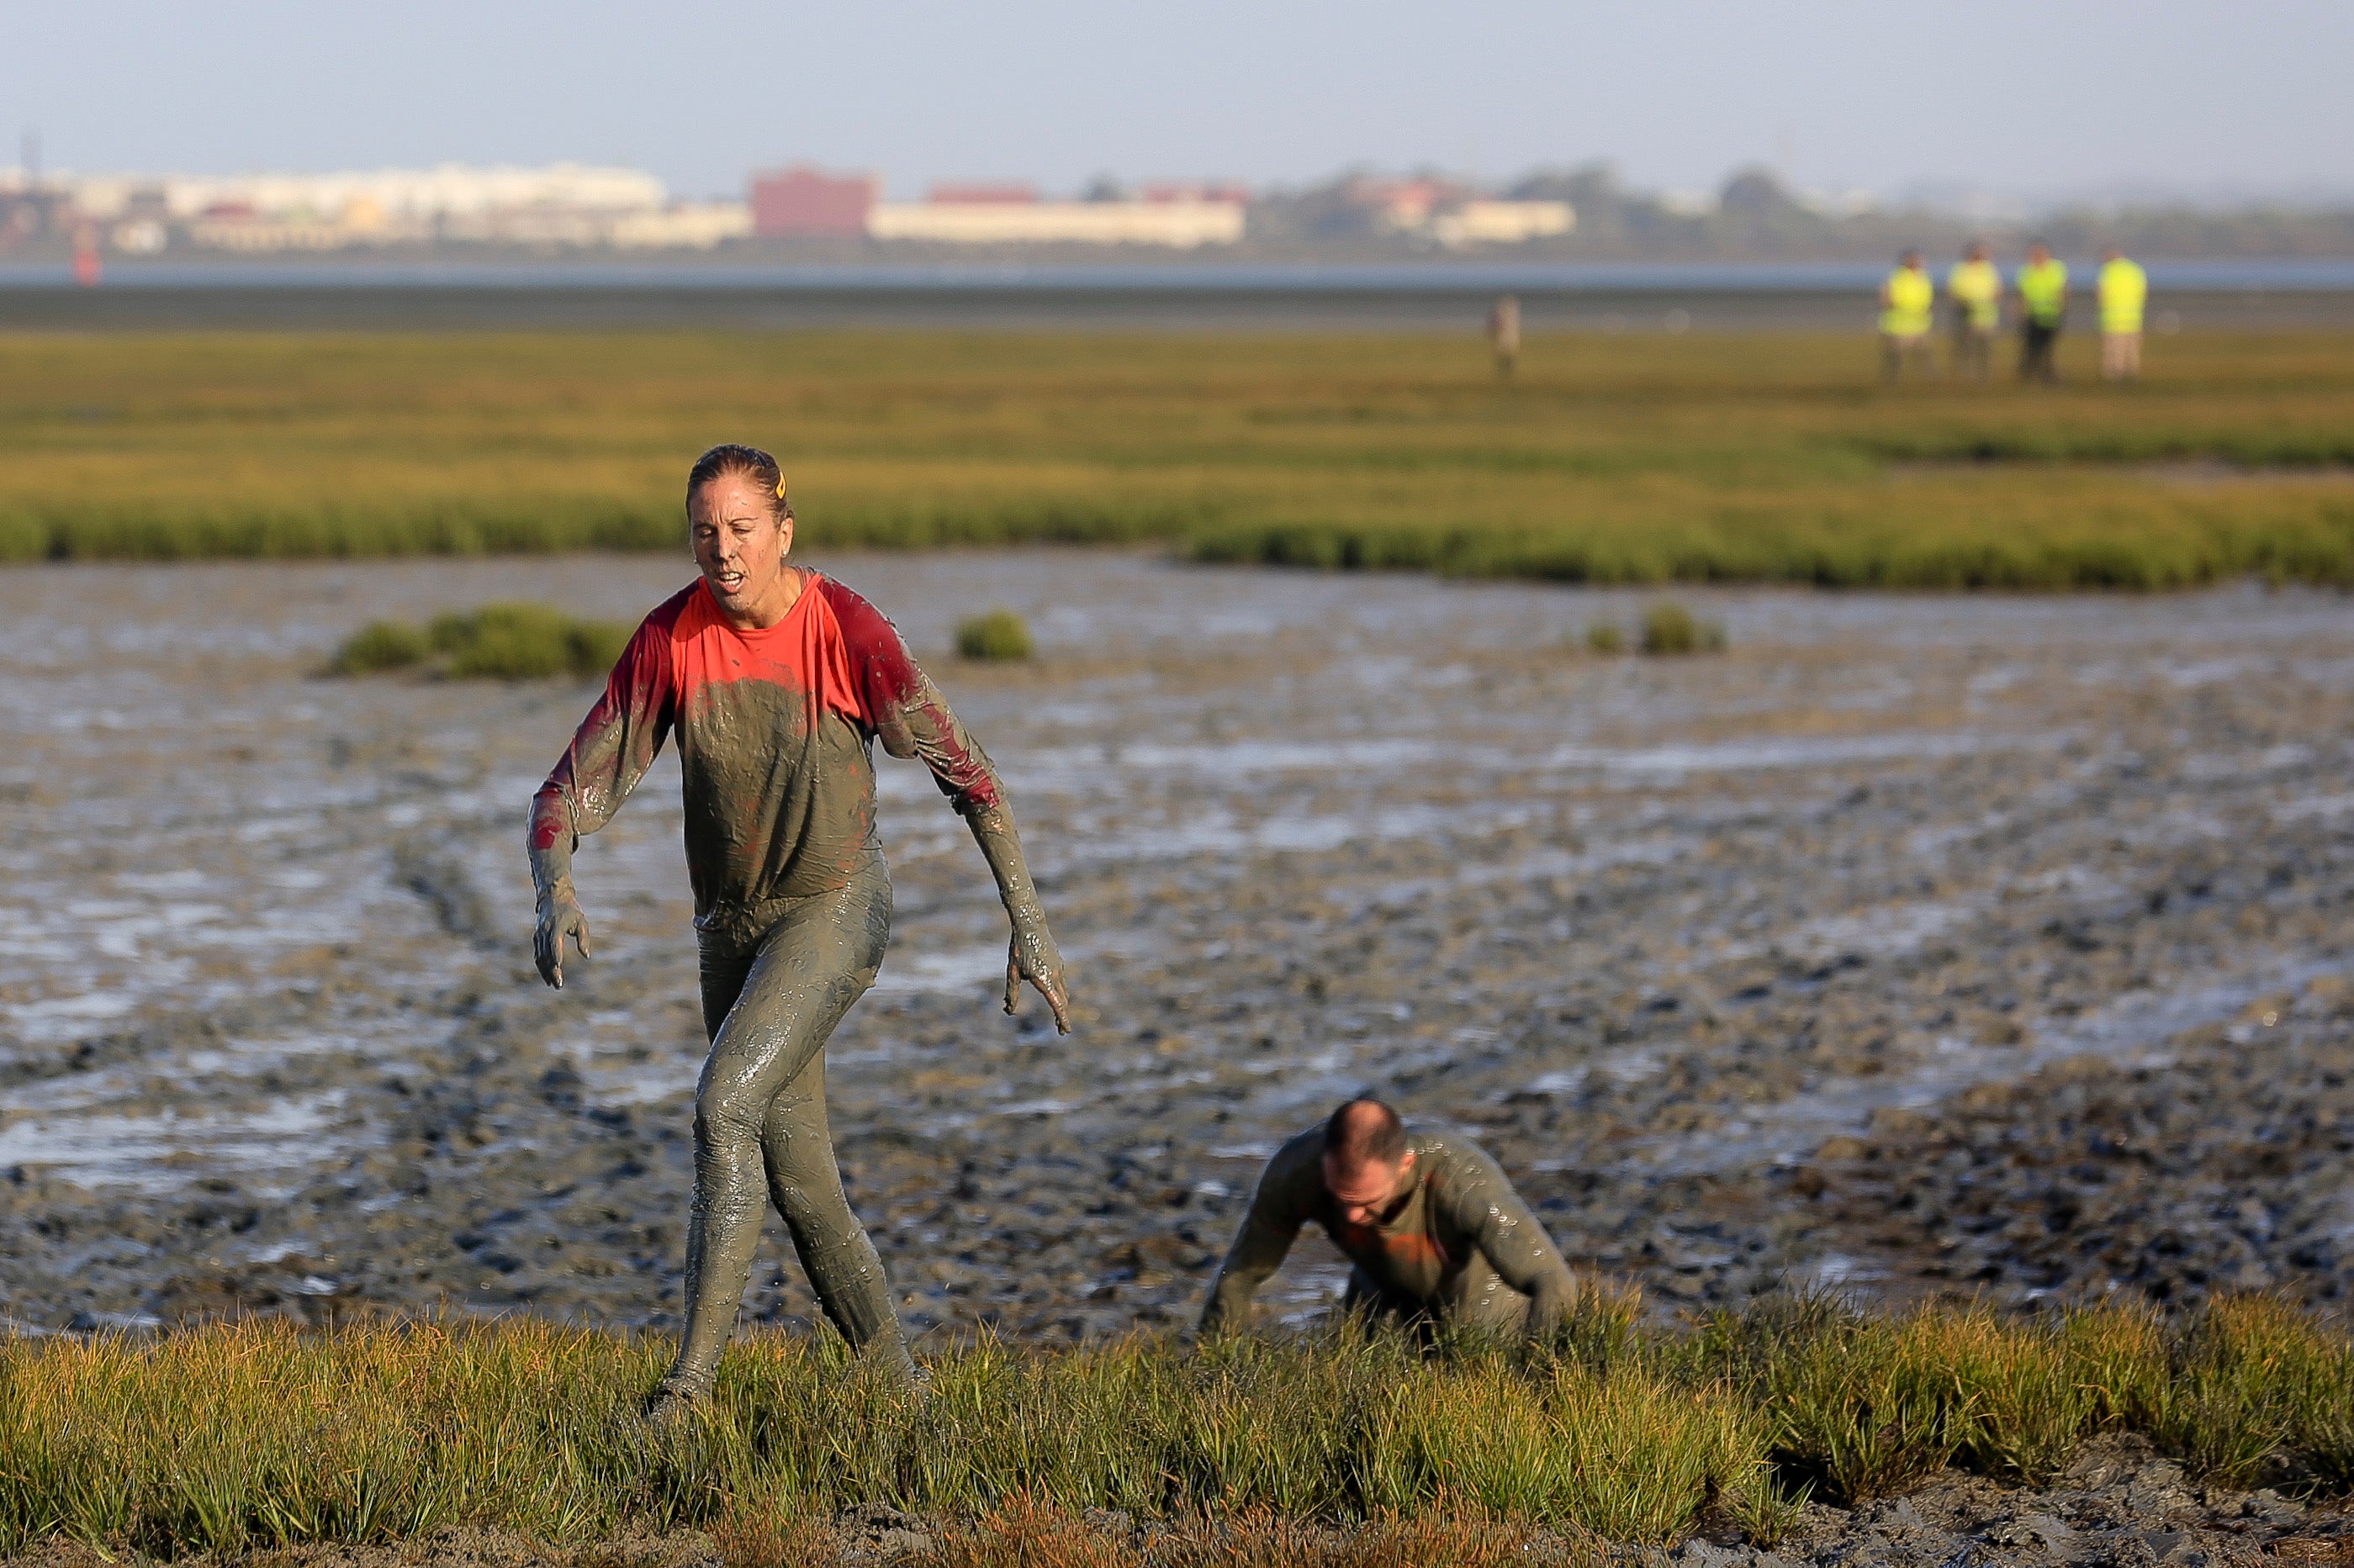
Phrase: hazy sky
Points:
(2019, 96)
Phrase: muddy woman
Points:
(777, 680)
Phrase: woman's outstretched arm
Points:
(922, 727)
(609, 753)
(1032, 956)
(913, 720)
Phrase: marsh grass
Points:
(381, 646)
(227, 1438)
(1000, 634)
(1609, 460)
(506, 641)
(1670, 628)
(2258, 1391)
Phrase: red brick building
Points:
(804, 200)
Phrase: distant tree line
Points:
(1757, 216)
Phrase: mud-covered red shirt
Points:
(1462, 1245)
(774, 728)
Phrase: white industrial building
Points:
(395, 195)
(1500, 223)
(568, 205)
(1180, 224)
(687, 226)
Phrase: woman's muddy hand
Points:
(558, 918)
(1032, 956)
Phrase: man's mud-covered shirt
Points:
(773, 728)
(1463, 1246)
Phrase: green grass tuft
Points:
(1605, 637)
(509, 642)
(1000, 634)
(380, 646)
(1670, 628)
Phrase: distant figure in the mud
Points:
(2042, 308)
(1505, 334)
(1435, 1232)
(776, 680)
(2124, 290)
(1975, 287)
(1907, 310)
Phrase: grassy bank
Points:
(223, 1438)
(1612, 459)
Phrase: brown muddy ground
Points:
(1923, 946)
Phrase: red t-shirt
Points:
(773, 729)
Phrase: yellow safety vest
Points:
(2045, 289)
(2124, 288)
(1910, 297)
(1976, 287)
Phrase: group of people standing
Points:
(2039, 293)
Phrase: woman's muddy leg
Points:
(805, 1182)
(810, 968)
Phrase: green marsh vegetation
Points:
(1611, 458)
(510, 641)
(1670, 629)
(228, 1437)
(1665, 629)
(1000, 634)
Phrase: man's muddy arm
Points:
(1539, 1274)
(1278, 1210)
(1032, 956)
(1517, 1247)
(1258, 1251)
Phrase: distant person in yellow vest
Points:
(2124, 290)
(1505, 334)
(1974, 284)
(1908, 302)
(2042, 306)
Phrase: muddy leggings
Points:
(759, 1122)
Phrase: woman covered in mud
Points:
(776, 680)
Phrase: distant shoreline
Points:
(1436, 297)
(2297, 274)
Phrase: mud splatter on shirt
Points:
(1463, 1244)
(774, 728)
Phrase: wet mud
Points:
(1931, 948)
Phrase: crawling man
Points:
(1435, 1232)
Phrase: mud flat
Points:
(1926, 946)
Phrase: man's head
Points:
(2039, 253)
(1977, 252)
(2111, 253)
(1910, 261)
(1368, 1166)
